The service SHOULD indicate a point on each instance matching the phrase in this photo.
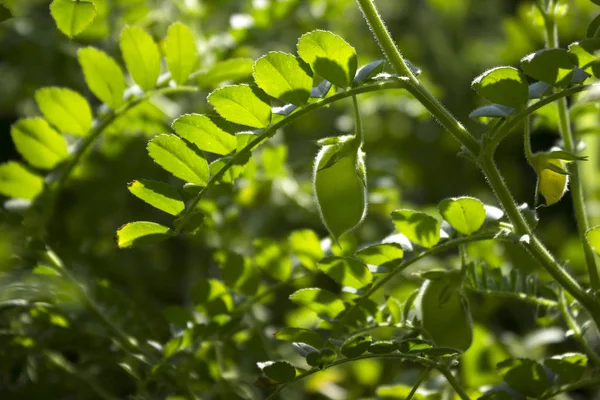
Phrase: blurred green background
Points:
(411, 162)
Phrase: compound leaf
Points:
(284, 76)
(346, 271)
(181, 52)
(158, 195)
(18, 182)
(174, 155)
(103, 76)
(66, 109)
(141, 56)
(205, 134)
(39, 144)
(72, 17)
(465, 214)
(418, 227)
(141, 233)
(242, 105)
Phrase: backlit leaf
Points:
(211, 296)
(141, 56)
(503, 85)
(181, 52)
(72, 16)
(158, 195)
(174, 155)
(588, 55)
(141, 233)
(418, 227)
(321, 301)
(553, 66)
(381, 254)
(205, 134)
(103, 76)
(465, 214)
(66, 109)
(306, 246)
(239, 273)
(39, 144)
(568, 367)
(329, 56)
(273, 258)
(242, 104)
(525, 376)
(301, 335)
(18, 182)
(284, 77)
(231, 70)
(346, 271)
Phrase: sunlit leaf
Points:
(465, 214)
(356, 346)
(593, 237)
(72, 16)
(525, 376)
(18, 182)
(553, 66)
(418, 227)
(284, 77)
(39, 144)
(242, 104)
(181, 52)
(205, 133)
(66, 109)
(273, 258)
(141, 56)
(158, 195)
(173, 154)
(141, 233)
(238, 273)
(103, 76)
(346, 271)
(306, 246)
(231, 70)
(568, 367)
(381, 254)
(307, 336)
(321, 301)
(503, 85)
(329, 56)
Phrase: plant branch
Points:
(425, 362)
(395, 83)
(588, 383)
(93, 135)
(420, 380)
(576, 329)
(570, 146)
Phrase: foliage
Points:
(222, 281)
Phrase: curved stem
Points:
(576, 329)
(570, 146)
(420, 380)
(359, 134)
(534, 301)
(588, 383)
(427, 363)
(507, 128)
(391, 51)
(94, 134)
(396, 83)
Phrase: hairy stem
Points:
(570, 146)
(576, 329)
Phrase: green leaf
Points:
(5, 13)
(483, 114)
(329, 56)
(538, 90)
(284, 76)
(174, 155)
(321, 301)
(158, 195)
(356, 346)
(465, 214)
(103, 76)
(346, 271)
(205, 134)
(39, 144)
(141, 56)
(568, 367)
(306, 246)
(231, 70)
(593, 237)
(66, 109)
(239, 274)
(383, 347)
(242, 104)
(553, 66)
(381, 254)
(299, 335)
(395, 309)
(398, 392)
(525, 376)
(72, 16)
(211, 296)
(418, 227)
(587, 52)
(273, 258)
(414, 346)
(279, 371)
(503, 85)
(231, 174)
(366, 72)
(593, 29)
(141, 233)
(181, 52)
(18, 182)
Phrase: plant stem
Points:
(425, 362)
(391, 51)
(588, 383)
(576, 329)
(359, 134)
(93, 135)
(570, 146)
(420, 380)
(396, 83)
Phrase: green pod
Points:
(340, 186)
(445, 315)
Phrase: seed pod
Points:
(551, 184)
(445, 315)
(340, 186)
